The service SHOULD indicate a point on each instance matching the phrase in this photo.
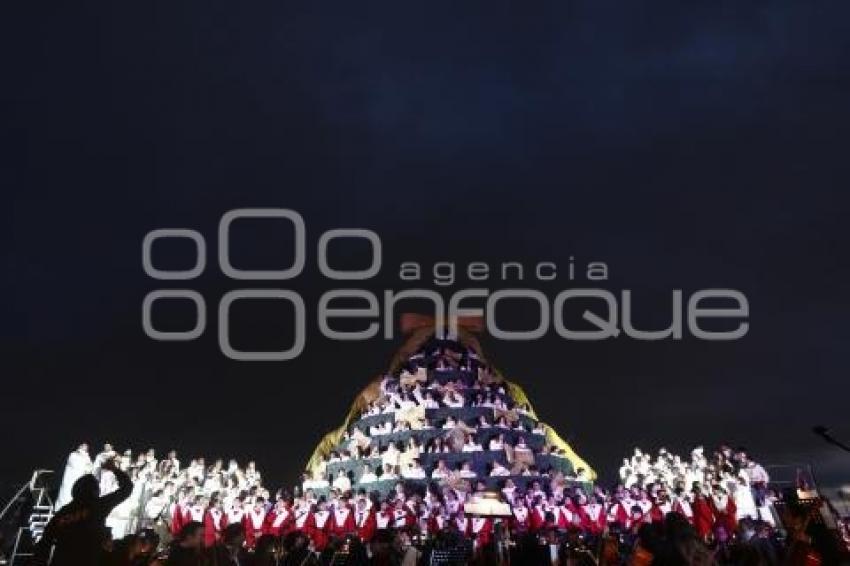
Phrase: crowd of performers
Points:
(164, 491)
(440, 433)
(217, 500)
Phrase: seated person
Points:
(471, 445)
(482, 422)
(442, 471)
(450, 423)
(391, 455)
(429, 402)
(380, 428)
(415, 471)
(497, 442)
(453, 399)
(438, 446)
(389, 473)
(466, 471)
(499, 470)
(368, 475)
(405, 402)
(373, 409)
(342, 482)
(314, 481)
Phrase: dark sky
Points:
(688, 146)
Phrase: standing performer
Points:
(79, 464)
(255, 520)
(321, 525)
(364, 521)
(213, 523)
(703, 516)
(342, 520)
(280, 520)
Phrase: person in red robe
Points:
(617, 513)
(213, 523)
(437, 521)
(195, 511)
(682, 505)
(321, 525)
(280, 521)
(384, 516)
(703, 515)
(725, 510)
(254, 521)
(236, 513)
(481, 530)
(538, 516)
(178, 514)
(402, 517)
(594, 518)
(342, 520)
(521, 519)
(636, 519)
(364, 521)
(660, 507)
(462, 523)
(303, 520)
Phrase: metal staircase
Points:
(29, 532)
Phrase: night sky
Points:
(686, 146)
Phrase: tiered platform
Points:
(407, 408)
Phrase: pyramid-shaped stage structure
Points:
(437, 401)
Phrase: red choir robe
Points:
(213, 524)
(658, 512)
(321, 528)
(562, 517)
(178, 518)
(593, 518)
(635, 520)
(254, 521)
(384, 519)
(683, 507)
(725, 512)
(618, 514)
(645, 506)
(279, 522)
(481, 528)
(194, 513)
(521, 519)
(703, 516)
(235, 515)
(463, 525)
(571, 515)
(342, 521)
(364, 525)
(436, 523)
(402, 517)
(538, 518)
(303, 520)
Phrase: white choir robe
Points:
(78, 465)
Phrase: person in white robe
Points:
(745, 503)
(79, 464)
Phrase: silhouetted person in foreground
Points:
(186, 548)
(230, 550)
(76, 532)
